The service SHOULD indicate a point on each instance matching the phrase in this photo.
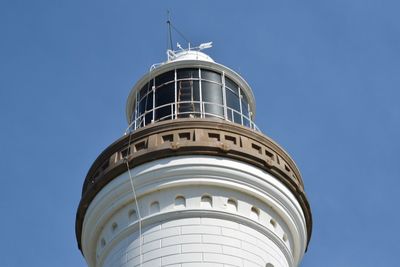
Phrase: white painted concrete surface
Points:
(196, 211)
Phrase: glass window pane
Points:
(196, 91)
(164, 113)
(234, 116)
(165, 94)
(232, 100)
(188, 90)
(188, 94)
(213, 110)
(165, 77)
(145, 89)
(197, 110)
(212, 96)
(237, 117)
(230, 114)
(149, 101)
(233, 86)
(245, 109)
(187, 73)
(142, 106)
(210, 76)
(211, 92)
(246, 122)
(148, 118)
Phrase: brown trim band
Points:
(191, 137)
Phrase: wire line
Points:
(136, 202)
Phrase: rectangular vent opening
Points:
(184, 136)
(269, 154)
(214, 136)
(256, 147)
(168, 138)
(287, 168)
(231, 139)
(125, 152)
(140, 146)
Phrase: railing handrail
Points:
(137, 123)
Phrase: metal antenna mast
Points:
(169, 30)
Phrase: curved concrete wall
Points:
(195, 211)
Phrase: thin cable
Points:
(136, 202)
(170, 25)
(181, 34)
(138, 212)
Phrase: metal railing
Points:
(203, 107)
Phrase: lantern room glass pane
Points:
(187, 73)
(165, 99)
(232, 100)
(142, 107)
(149, 107)
(245, 106)
(188, 90)
(165, 94)
(145, 89)
(188, 96)
(210, 76)
(212, 96)
(231, 85)
(246, 122)
(164, 113)
(196, 91)
(149, 101)
(233, 104)
(165, 78)
(211, 92)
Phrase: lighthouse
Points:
(193, 182)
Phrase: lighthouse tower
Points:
(193, 182)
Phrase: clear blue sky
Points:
(326, 76)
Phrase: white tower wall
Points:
(195, 211)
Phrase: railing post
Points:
(172, 111)
(201, 96)
(225, 105)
